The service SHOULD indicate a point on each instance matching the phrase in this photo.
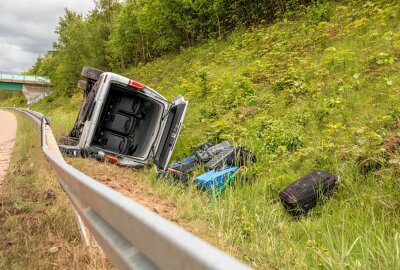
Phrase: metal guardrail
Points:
(132, 236)
(23, 78)
(37, 98)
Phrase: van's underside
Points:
(128, 123)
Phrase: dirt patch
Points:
(129, 183)
(392, 144)
(8, 124)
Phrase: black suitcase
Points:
(211, 151)
(304, 194)
(220, 159)
(114, 142)
(119, 122)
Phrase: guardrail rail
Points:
(131, 236)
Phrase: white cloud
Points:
(27, 29)
(13, 58)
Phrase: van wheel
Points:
(91, 73)
(82, 84)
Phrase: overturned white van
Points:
(124, 121)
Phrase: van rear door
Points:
(170, 133)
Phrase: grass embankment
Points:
(316, 90)
(38, 229)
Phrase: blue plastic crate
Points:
(214, 179)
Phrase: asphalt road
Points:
(8, 128)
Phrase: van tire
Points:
(82, 84)
(91, 73)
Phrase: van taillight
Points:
(136, 84)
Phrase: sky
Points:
(27, 29)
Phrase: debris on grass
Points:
(304, 194)
(220, 161)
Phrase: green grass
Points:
(38, 229)
(12, 98)
(303, 94)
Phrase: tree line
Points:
(116, 34)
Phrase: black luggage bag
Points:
(304, 194)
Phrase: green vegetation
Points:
(318, 89)
(118, 35)
(38, 229)
(12, 98)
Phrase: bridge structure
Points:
(30, 86)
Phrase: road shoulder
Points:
(8, 129)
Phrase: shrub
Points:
(320, 12)
(276, 135)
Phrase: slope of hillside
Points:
(303, 95)
(316, 90)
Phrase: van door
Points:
(170, 133)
